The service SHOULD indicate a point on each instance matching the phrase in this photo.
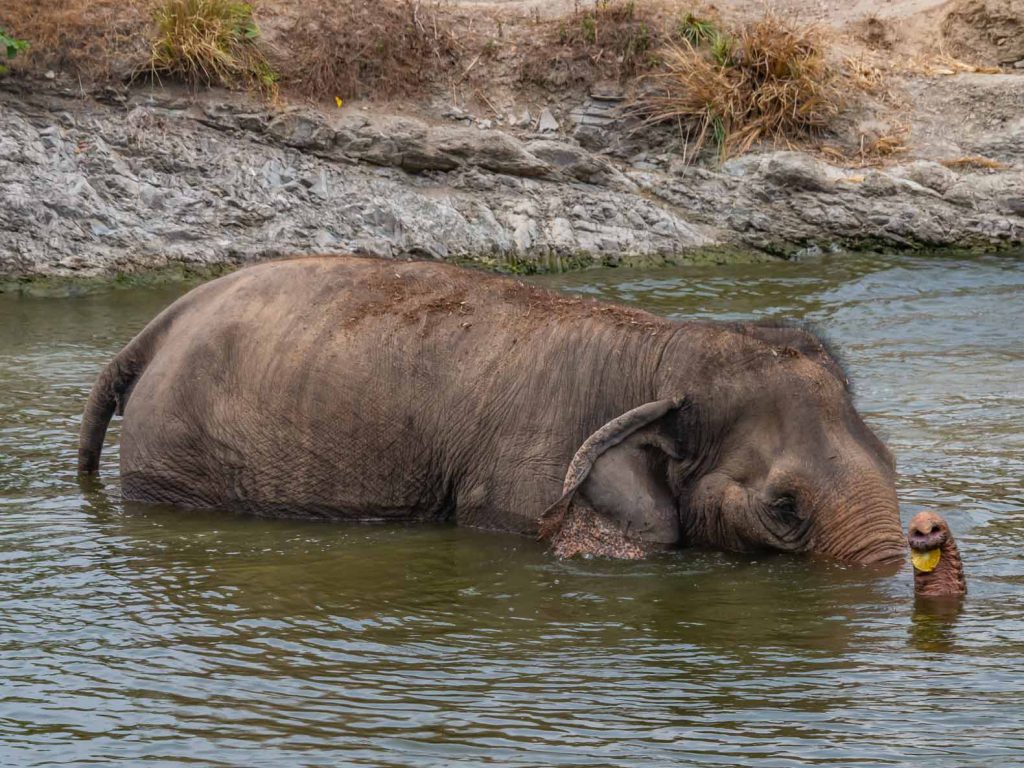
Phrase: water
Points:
(143, 635)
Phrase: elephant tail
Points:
(109, 396)
(114, 385)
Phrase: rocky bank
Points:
(124, 181)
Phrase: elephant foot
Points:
(584, 532)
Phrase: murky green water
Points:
(148, 635)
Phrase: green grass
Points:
(11, 46)
(721, 46)
(696, 30)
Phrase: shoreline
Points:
(155, 178)
(190, 275)
(100, 180)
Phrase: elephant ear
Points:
(615, 432)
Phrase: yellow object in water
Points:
(925, 561)
(338, 101)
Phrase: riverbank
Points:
(104, 179)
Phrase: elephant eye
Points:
(785, 507)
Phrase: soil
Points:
(937, 75)
(981, 32)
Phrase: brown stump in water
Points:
(938, 571)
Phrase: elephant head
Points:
(754, 444)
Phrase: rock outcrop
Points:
(88, 189)
(149, 179)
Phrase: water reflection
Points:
(441, 573)
(934, 622)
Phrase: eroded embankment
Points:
(151, 178)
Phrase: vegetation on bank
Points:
(510, 264)
(771, 80)
(359, 49)
(611, 39)
(11, 47)
(316, 48)
(210, 42)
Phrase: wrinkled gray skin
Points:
(360, 389)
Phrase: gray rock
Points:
(455, 113)
(521, 120)
(321, 187)
(547, 123)
(578, 163)
(425, 157)
(793, 172)
(523, 233)
(786, 202)
(1014, 205)
(325, 239)
(879, 184)
(224, 184)
(930, 175)
(492, 151)
(607, 90)
(301, 130)
(217, 183)
(415, 146)
(252, 122)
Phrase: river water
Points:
(147, 635)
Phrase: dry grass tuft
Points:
(770, 81)
(614, 39)
(353, 48)
(875, 148)
(885, 146)
(92, 39)
(210, 42)
(866, 77)
(944, 64)
(974, 162)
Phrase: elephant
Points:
(366, 389)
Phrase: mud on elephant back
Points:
(371, 390)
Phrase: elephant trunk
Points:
(861, 527)
(938, 570)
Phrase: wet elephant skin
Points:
(361, 389)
